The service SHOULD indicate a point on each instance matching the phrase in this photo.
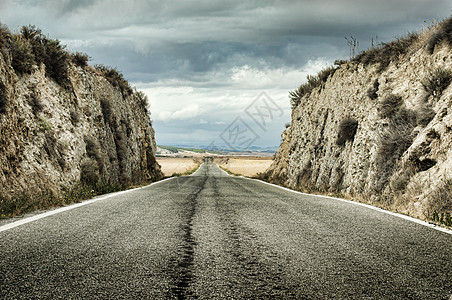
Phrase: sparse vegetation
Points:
(442, 35)
(437, 81)
(93, 151)
(31, 47)
(6, 40)
(3, 98)
(30, 200)
(22, 56)
(385, 53)
(107, 110)
(372, 92)
(75, 117)
(393, 142)
(115, 78)
(390, 105)
(186, 173)
(347, 131)
(144, 101)
(425, 114)
(89, 172)
(440, 203)
(35, 103)
(313, 82)
(44, 124)
(80, 59)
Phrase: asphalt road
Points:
(213, 236)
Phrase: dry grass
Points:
(244, 165)
(177, 165)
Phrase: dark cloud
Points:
(228, 50)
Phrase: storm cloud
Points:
(203, 62)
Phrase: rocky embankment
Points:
(377, 128)
(67, 130)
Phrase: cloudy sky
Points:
(211, 68)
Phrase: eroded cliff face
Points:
(53, 138)
(380, 135)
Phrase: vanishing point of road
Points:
(214, 236)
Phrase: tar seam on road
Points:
(72, 206)
(184, 275)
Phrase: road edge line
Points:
(71, 206)
(408, 218)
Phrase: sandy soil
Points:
(171, 165)
(245, 165)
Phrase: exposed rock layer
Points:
(50, 136)
(400, 156)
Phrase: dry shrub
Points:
(23, 58)
(437, 81)
(392, 143)
(89, 172)
(116, 78)
(75, 117)
(3, 98)
(107, 109)
(390, 105)
(347, 131)
(80, 59)
(440, 203)
(385, 53)
(425, 115)
(442, 35)
(312, 82)
(372, 92)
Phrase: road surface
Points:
(213, 236)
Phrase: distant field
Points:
(171, 165)
(245, 165)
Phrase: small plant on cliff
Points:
(44, 124)
(115, 78)
(75, 117)
(312, 82)
(425, 114)
(31, 47)
(437, 81)
(440, 202)
(22, 55)
(372, 92)
(144, 101)
(89, 172)
(3, 98)
(80, 59)
(442, 35)
(390, 105)
(393, 142)
(347, 131)
(386, 52)
(107, 111)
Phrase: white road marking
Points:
(72, 206)
(430, 225)
(192, 174)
